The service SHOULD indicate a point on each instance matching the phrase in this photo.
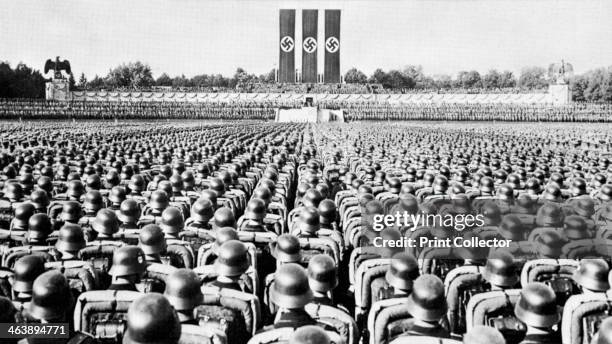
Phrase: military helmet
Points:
(263, 193)
(117, 194)
(151, 240)
(501, 270)
(592, 274)
(491, 213)
(549, 215)
(427, 301)
(51, 297)
(137, 183)
(481, 334)
(327, 212)
(224, 217)
(106, 222)
(22, 213)
(525, 203)
(75, 189)
(537, 306)
(408, 203)
(309, 220)
(202, 210)
(225, 234)
(605, 192)
(217, 185)
(287, 249)
(256, 209)
(128, 260)
(309, 334)
(129, 211)
(183, 290)
(40, 200)
(151, 319)
(25, 271)
(70, 238)
(232, 258)
(210, 195)
(584, 207)
(575, 228)
(322, 273)
(39, 227)
(402, 272)
(159, 200)
(290, 288)
(312, 198)
(550, 243)
(578, 187)
(93, 201)
(487, 184)
(71, 212)
(172, 221)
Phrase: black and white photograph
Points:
(306, 172)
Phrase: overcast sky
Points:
(200, 36)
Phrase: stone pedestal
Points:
(559, 94)
(57, 89)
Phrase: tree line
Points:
(592, 86)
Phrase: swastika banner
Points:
(309, 45)
(332, 46)
(286, 45)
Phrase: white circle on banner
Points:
(310, 44)
(287, 44)
(332, 44)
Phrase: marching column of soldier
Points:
(259, 233)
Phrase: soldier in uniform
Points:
(427, 305)
(184, 294)
(399, 278)
(537, 309)
(129, 265)
(290, 292)
(52, 303)
(152, 320)
(322, 278)
(232, 262)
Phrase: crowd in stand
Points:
(265, 110)
(199, 232)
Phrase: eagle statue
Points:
(57, 66)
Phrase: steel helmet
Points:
(151, 240)
(427, 301)
(224, 217)
(172, 221)
(183, 290)
(151, 319)
(51, 296)
(25, 271)
(290, 288)
(70, 238)
(106, 222)
(128, 260)
(39, 227)
(501, 270)
(592, 274)
(402, 271)
(537, 306)
(322, 273)
(287, 249)
(232, 258)
(202, 210)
